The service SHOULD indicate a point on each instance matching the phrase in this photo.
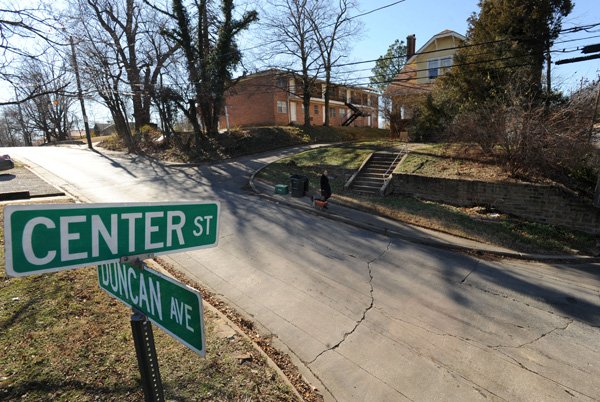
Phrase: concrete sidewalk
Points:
(22, 180)
(348, 214)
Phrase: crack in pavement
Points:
(314, 374)
(473, 270)
(569, 322)
(364, 314)
(566, 387)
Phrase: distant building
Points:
(419, 73)
(75, 134)
(104, 129)
(274, 98)
(100, 129)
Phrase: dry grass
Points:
(438, 160)
(62, 338)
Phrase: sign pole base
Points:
(143, 339)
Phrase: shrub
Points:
(534, 139)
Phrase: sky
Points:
(425, 18)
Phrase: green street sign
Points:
(50, 238)
(172, 306)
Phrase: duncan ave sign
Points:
(171, 305)
(49, 238)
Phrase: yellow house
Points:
(434, 57)
(419, 73)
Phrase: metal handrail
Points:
(387, 172)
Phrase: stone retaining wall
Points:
(539, 203)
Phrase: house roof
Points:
(444, 33)
(404, 83)
(275, 71)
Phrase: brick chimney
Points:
(411, 42)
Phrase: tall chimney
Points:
(411, 42)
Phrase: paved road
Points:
(373, 319)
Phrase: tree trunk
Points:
(306, 99)
(193, 117)
(327, 87)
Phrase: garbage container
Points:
(281, 189)
(298, 185)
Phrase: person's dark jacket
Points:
(325, 187)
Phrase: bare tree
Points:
(333, 27)
(106, 76)
(123, 54)
(21, 29)
(292, 22)
(47, 111)
(533, 140)
(10, 128)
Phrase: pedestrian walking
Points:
(325, 186)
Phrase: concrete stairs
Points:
(371, 177)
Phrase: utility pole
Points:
(80, 95)
(595, 111)
(548, 76)
(596, 199)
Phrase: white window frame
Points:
(445, 64)
(282, 107)
(433, 68)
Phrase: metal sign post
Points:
(143, 339)
(145, 350)
(50, 238)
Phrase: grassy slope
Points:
(498, 229)
(247, 141)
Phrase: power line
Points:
(458, 48)
(376, 9)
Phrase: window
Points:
(282, 82)
(433, 67)
(332, 112)
(446, 62)
(316, 109)
(281, 107)
(342, 112)
(437, 67)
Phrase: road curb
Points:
(157, 266)
(553, 259)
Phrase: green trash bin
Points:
(281, 189)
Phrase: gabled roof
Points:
(443, 34)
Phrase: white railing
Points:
(393, 165)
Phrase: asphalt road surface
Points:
(373, 319)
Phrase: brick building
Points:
(274, 98)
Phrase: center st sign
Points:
(50, 238)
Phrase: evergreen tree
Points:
(389, 65)
(508, 42)
(211, 54)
